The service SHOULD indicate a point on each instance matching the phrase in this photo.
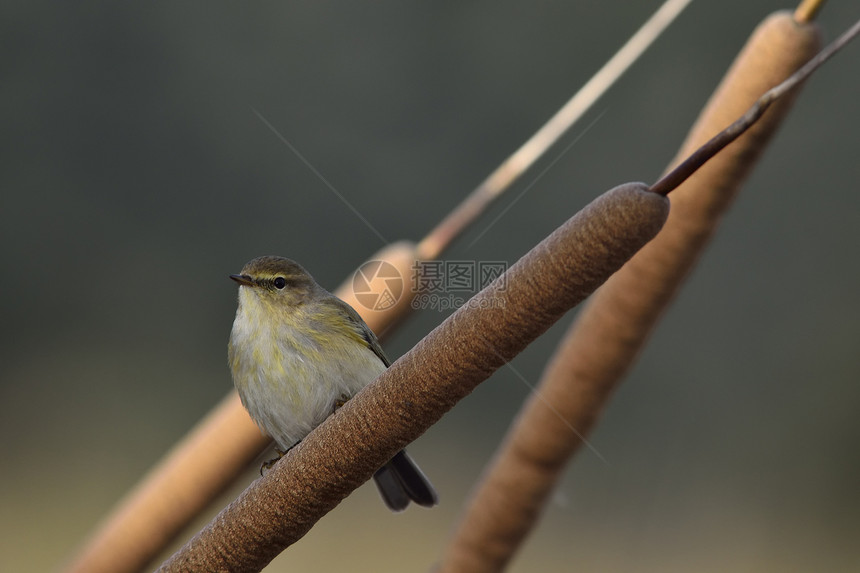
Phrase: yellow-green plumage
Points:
(296, 350)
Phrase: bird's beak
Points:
(243, 280)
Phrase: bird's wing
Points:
(362, 329)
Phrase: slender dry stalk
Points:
(537, 145)
(426, 382)
(807, 9)
(611, 330)
(671, 180)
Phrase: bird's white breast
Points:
(288, 381)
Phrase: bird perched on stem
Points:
(297, 352)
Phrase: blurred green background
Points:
(136, 176)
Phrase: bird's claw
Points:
(338, 404)
(269, 464)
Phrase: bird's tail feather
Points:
(401, 481)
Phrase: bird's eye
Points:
(280, 282)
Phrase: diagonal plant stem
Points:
(807, 10)
(498, 323)
(536, 146)
(717, 143)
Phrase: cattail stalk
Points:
(426, 382)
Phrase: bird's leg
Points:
(338, 404)
(281, 453)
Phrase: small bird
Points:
(297, 352)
